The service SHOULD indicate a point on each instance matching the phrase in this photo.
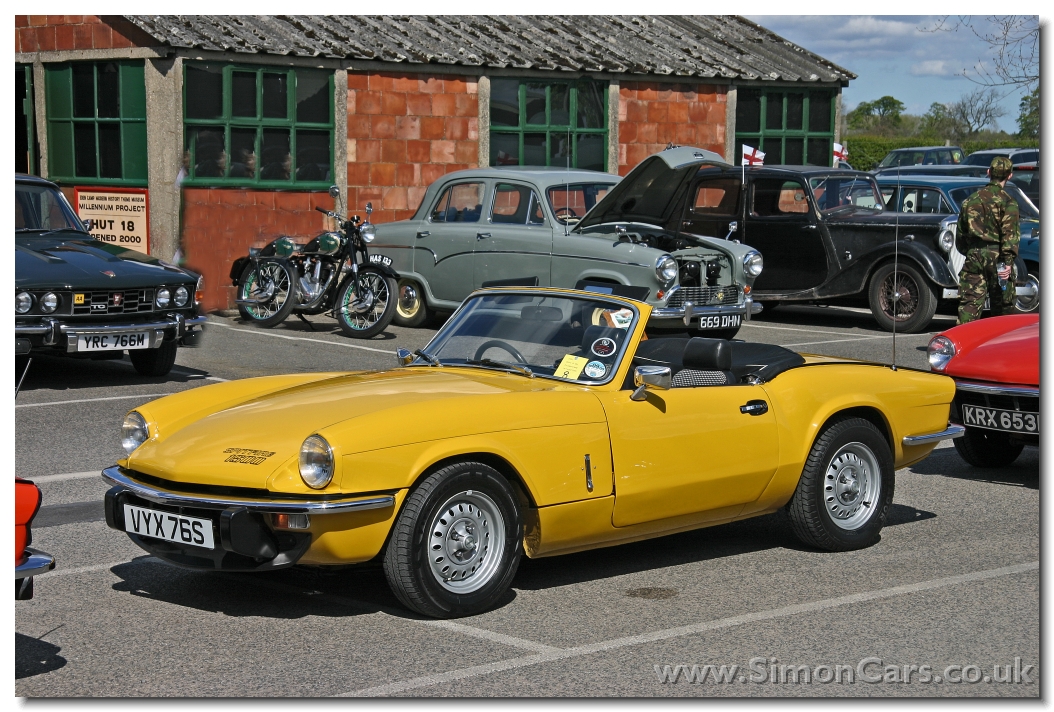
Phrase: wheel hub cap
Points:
(407, 297)
(851, 486)
(466, 542)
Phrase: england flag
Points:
(841, 153)
(752, 156)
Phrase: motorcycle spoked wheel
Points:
(366, 304)
(273, 280)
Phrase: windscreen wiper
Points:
(500, 364)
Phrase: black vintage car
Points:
(83, 297)
(823, 232)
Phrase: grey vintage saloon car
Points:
(569, 228)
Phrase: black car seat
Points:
(705, 362)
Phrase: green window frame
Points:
(257, 126)
(791, 126)
(536, 122)
(27, 151)
(96, 122)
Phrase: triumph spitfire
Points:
(538, 422)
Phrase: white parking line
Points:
(681, 631)
(67, 476)
(91, 400)
(100, 567)
(299, 338)
(837, 341)
(790, 328)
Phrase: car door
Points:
(446, 239)
(688, 451)
(782, 226)
(516, 240)
(713, 205)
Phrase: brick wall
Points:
(43, 33)
(219, 226)
(653, 114)
(404, 132)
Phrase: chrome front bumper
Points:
(996, 389)
(1021, 290)
(36, 563)
(115, 476)
(690, 311)
(52, 330)
(949, 433)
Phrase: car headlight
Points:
(666, 269)
(134, 432)
(163, 297)
(753, 263)
(946, 240)
(941, 350)
(49, 302)
(316, 462)
(182, 295)
(368, 232)
(23, 302)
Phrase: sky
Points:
(893, 55)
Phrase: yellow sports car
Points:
(537, 421)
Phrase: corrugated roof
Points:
(706, 47)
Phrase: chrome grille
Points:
(117, 301)
(705, 296)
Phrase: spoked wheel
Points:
(366, 304)
(410, 308)
(269, 288)
(456, 545)
(902, 297)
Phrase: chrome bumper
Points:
(949, 433)
(1021, 290)
(689, 311)
(995, 389)
(36, 563)
(115, 476)
(52, 329)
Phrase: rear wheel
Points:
(271, 286)
(903, 298)
(987, 448)
(366, 303)
(410, 308)
(154, 362)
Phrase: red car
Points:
(28, 562)
(995, 364)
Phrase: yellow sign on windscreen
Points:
(571, 367)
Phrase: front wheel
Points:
(411, 309)
(987, 448)
(366, 303)
(154, 362)
(902, 299)
(269, 290)
(846, 488)
(1029, 304)
(456, 545)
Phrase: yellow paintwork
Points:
(682, 459)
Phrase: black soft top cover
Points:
(766, 361)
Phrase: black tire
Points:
(987, 448)
(154, 362)
(421, 534)
(378, 309)
(284, 297)
(411, 309)
(726, 334)
(825, 491)
(1026, 306)
(918, 302)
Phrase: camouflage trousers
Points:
(979, 279)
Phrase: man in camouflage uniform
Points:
(990, 232)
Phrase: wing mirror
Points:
(334, 191)
(733, 227)
(404, 356)
(650, 378)
(369, 208)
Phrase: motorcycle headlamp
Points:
(23, 302)
(182, 296)
(368, 232)
(134, 432)
(753, 263)
(666, 269)
(940, 351)
(316, 462)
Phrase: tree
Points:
(1013, 41)
(938, 121)
(1028, 119)
(881, 115)
(977, 110)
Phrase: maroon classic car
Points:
(995, 364)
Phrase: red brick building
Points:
(237, 125)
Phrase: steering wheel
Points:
(564, 213)
(498, 343)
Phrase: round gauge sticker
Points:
(603, 347)
(595, 369)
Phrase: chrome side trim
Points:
(35, 564)
(114, 476)
(952, 431)
(997, 390)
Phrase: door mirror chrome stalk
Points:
(648, 378)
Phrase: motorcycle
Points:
(333, 272)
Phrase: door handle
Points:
(754, 407)
(809, 226)
(424, 234)
(481, 235)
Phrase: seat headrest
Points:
(593, 333)
(707, 355)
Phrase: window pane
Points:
(84, 148)
(504, 103)
(210, 153)
(819, 112)
(110, 150)
(312, 97)
(84, 91)
(560, 105)
(510, 204)
(243, 94)
(774, 112)
(274, 96)
(717, 197)
(504, 149)
(533, 149)
(204, 93)
(748, 111)
(590, 105)
(459, 203)
(795, 151)
(560, 149)
(772, 148)
(535, 216)
(795, 104)
(775, 196)
(312, 156)
(591, 152)
(535, 100)
(243, 153)
(109, 91)
(820, 152)
(277, 160)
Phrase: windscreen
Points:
(42, 208)
(571, 202)
(839, 190)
